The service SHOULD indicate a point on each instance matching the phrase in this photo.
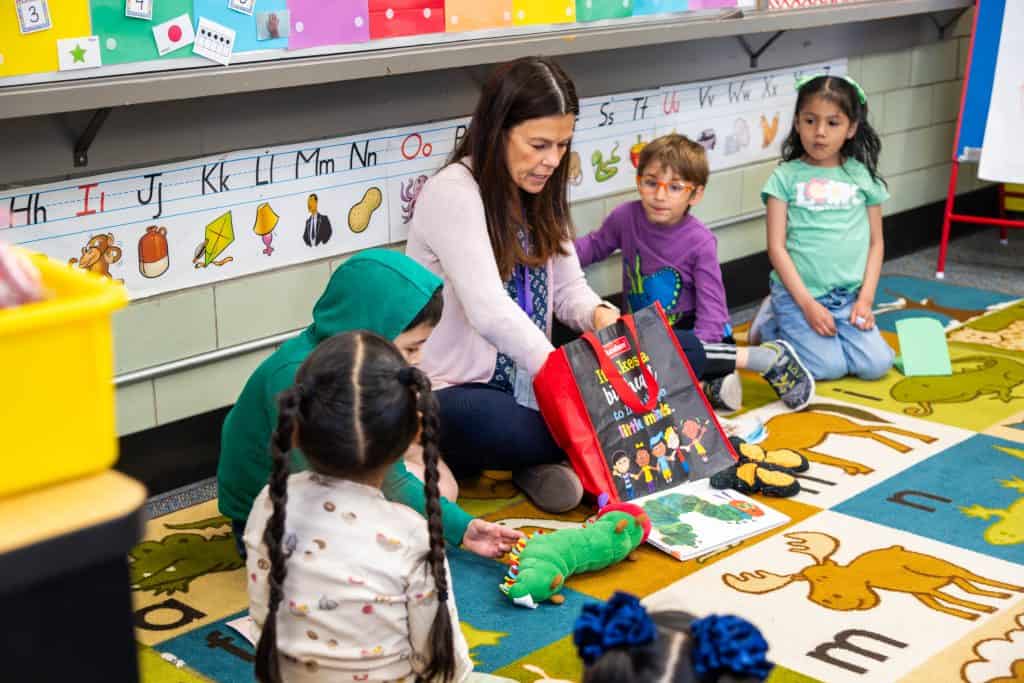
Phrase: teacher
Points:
(494, 225)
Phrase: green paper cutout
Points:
(124, 39)
(923, 348)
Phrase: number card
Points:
(139, 9)
(243, 6)
(214, 41)
(33, 15)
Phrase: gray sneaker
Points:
(553, 488)
(763, 315)
(725, 394)
(788, 377)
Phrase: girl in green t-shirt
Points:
(825, 234)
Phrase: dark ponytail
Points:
(442, 652)
(268, 669)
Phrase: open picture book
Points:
(694, 519)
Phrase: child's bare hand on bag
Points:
(819, 318)
(861, 316)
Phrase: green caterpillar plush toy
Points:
(542, 563)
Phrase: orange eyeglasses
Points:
(676, 188)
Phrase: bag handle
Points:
(628, 396)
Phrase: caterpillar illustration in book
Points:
(665, 511)
(542, 562)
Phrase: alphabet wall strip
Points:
(191, 223)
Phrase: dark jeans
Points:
(483, 428)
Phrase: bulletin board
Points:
(52, 40)
(174, 226)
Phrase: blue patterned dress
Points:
(528, 287)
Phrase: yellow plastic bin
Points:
(57, 411)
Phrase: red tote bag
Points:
(625, 405)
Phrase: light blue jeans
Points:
(852, 351)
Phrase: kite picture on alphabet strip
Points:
(220, 234)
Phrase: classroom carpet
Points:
(903, 559)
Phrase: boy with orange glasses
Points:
(669, 256)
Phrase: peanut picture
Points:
(359, 215)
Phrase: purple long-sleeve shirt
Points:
(676, 265)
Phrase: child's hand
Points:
(861, 316)
(488, 539)
(820, 319)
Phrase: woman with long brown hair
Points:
(494, 225)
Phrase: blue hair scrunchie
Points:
(719, 643)
(728, 643)
(620, 622)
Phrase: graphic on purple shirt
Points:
(676, 265)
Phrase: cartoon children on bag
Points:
(695, 431)
(660, 451)
(643, 461)
(672, 441)
(620, 469)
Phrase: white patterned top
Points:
(359, 599)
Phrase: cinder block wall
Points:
(914, 95)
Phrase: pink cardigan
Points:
(448, 235)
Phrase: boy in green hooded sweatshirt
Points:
(377, 290)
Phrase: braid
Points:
(442, 659)
(267, 666)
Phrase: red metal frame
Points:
(948, 215)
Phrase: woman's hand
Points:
(819, 318)
(861, 316)
(488, 539)
(604, 316)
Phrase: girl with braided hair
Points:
(343, 584)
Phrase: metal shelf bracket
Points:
(755, 54)
(942, 28)
(85, 140)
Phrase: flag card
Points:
(173, 34)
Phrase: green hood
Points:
(377, 290)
